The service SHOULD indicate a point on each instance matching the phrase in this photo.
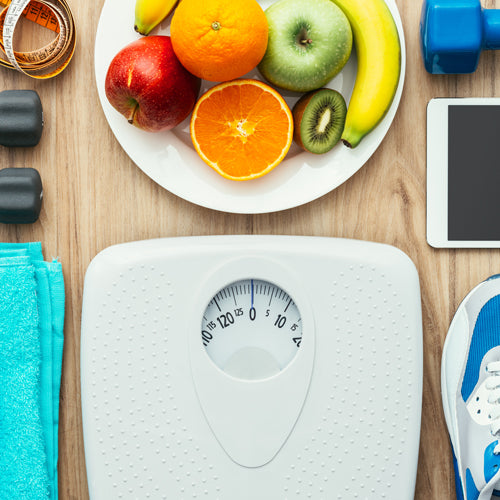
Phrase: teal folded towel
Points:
(31, 342)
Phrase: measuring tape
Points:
(47, 61)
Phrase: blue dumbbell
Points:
(454, 32)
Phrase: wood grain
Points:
(96, 197)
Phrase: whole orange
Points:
(219, 40)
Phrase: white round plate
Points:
(170, 159)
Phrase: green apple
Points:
(309, 43)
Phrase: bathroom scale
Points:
(245, 367)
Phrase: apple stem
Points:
(303, 42)
(132, 114)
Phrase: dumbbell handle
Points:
(491, 29)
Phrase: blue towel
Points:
(31, 342)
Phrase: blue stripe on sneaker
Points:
(458, 483)
(472, 491)
(491, 462)
(485, 336)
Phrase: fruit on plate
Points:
(148, 85)
(219, 40)
(242, 129)
(318, 120)
(378, 49)
(150, 13)
(310, 41)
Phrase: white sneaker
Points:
(470, 387)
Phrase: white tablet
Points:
(463, 173)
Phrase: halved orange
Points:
(242, 129)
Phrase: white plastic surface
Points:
(170, 159)
(342, 420)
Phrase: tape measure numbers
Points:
(38, 13)
(42, 15)
(47, 61)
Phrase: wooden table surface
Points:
(96, 197)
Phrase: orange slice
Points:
(242, 129)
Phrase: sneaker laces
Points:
(493, 386)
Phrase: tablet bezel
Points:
(437, 172)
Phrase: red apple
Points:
(148, 85)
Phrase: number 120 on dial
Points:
(251, 316)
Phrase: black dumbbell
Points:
(21, 118)
(21, 194)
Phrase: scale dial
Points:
(251, 329)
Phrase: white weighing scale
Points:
(251, 367)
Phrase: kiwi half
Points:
(319, 119)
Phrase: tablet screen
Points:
(474, 173)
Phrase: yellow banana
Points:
(378, 49)
(150, 13)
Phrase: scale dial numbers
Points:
(251, 329)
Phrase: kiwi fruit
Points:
(319, 119)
